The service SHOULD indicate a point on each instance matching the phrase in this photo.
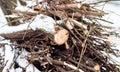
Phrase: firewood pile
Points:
(77, 45)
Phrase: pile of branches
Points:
(77, 45)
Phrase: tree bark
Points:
(26, 34)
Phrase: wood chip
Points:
(61, 36)
(97, 67)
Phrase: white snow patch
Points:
(18, 70)
(87, 1)
(22, 62)
(33, 2)
(8, 58)
(40, 21)
(43, 21)
(3, 21)
(24, 9)
(31, 68)
(21, 59)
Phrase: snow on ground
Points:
(114, 13)
(114, 16)
(115, 43)
(40, 21)
(3, 21)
